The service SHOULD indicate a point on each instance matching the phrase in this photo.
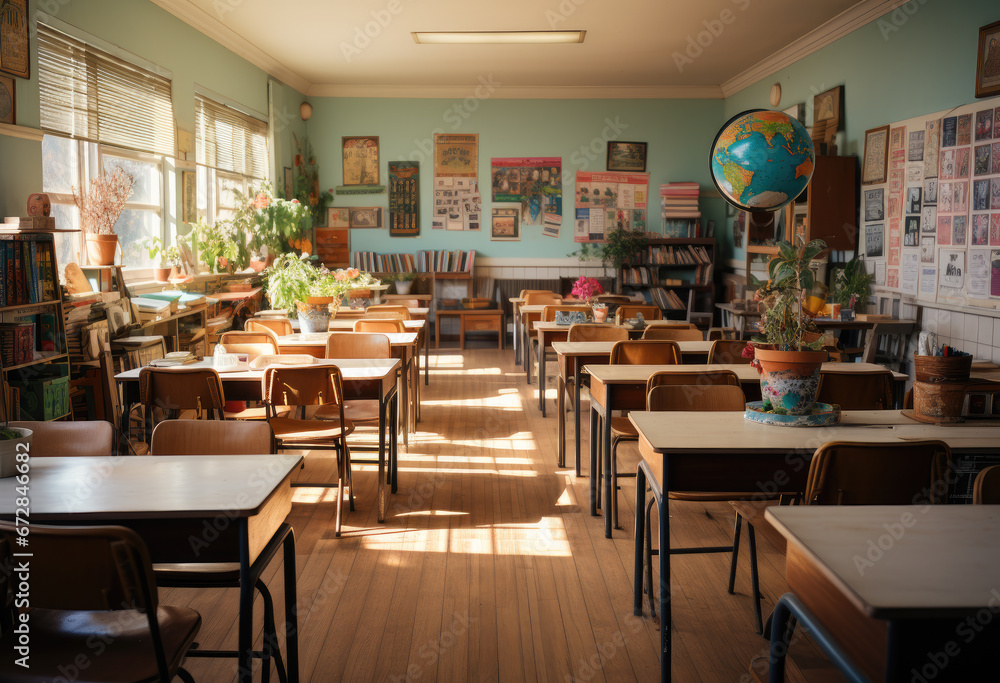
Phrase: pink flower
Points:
(748, 351)
(295, 201)
(261, 201)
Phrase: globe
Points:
(762, 160)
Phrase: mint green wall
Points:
(679, 133)
(918, 59)
(149, 32)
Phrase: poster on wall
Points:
(456, 155)
(602, 195)
(951, 278)
(995, 272)
(361, 161)
(404, 198)
(15, 56)
(506, 226)
(979, 273)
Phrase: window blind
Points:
(229, 140)
(88, 94)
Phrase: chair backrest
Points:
(645, 352)
(986, 489)
(549, 312)
(627, 311)
(692, 377)
(291, 385)
(583, 332)
(728, 352)
(847, 473)
(385, 311)
(536, 297)
(707, 397)
(358, 345)
(674, 325)
(382, 325)
(261, 342)
(203, 437)
(175, 389)
(857, 390)
(673, 334)
(408, 303)
(84, 438)
(280, 326)
(721, 333)
(616, 299)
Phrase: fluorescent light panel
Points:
(497, 37)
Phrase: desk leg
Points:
(593, 460)
(576, 418)
(380, 493)
(663, 510)
(437, 330)
(528, 360)
(426, 334)
(606, 469)
(516, 337)
(394, 441)
(561, 416)
(541, 373)
(244, 663)
(415, 376)
(291, 610)
(640, 537)
(404, 380)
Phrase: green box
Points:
(45, 394)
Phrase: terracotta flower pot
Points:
(161, 274)
(101, 249)
(789, 380)
(9, 450)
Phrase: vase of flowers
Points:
(787, 351)
(588, 289)
(313, 293)
(100, 206)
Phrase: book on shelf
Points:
(27, 271)
(679, 209)
(424, 261)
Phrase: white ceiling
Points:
(632, 48)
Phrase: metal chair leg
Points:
(754, 580)
(649, 558)
(736, 552)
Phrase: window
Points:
(101, 111)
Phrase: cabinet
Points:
(676, 274)
(33, 353)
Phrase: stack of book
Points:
(679, 209)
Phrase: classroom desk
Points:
(920, 596)
(623, 387)
(471, 320)
(520, 322)
(373, 379)
(171, 500)
(421, 326)
(571, 357)
(722, 451)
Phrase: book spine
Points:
(19, 279)
(35, 282)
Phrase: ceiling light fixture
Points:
(496, 37)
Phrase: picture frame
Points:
(15, 53)
(289, 183)
(338, 217)
(189, 196)
(826, 105)
(988, 61)
(8, 101)
(797, 112)
(366, 217)
(361, 159)
(506, 225)
(627, 156)
(876, 160)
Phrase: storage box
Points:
(44, 391)
(17, 343)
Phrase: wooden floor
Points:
(490, 567)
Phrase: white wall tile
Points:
(996, 354)
(986, 331)
(971, 332)
(996, 331)
(933, 323)
(957, 327)
(517, 273)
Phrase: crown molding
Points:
(23, 132)
(205, 23)
(521, 92)
(847, 21)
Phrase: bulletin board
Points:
(932, 223)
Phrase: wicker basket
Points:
(940, 368)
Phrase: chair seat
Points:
(59, 637)
(354, 411)
(258, 413)
(752, 512)
(293, 429)
(201, 574)
(622, 428)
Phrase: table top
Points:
(468, 311)
(350, 368)
(347, 324)
(942, 564)
(630, 374)
(597, 348)
(312, 339)
(149, 487)
(729, 432)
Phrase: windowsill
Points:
(141, 280)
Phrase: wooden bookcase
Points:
(677, 273)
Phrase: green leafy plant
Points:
(400, 277)
(784, 322)
(262, 220)
(292, 278)
(853, 285)
(620, 248)
(168, 255)
(306, 186)
(217, 241)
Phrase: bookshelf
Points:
(676, 274)
(34, 361)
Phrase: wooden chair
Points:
(728, 352)
(673, 334)
(279, 326)
(857, 390)
(549, 315)
(986, 488)
(387, 311)
(587, 332)
(84, 438)
(627, 311)
(715, 333)
(348, 345)
(92, 584)
(129, 442)
(408, 303)
(262, 342)
(632, 352)
(848, 473)
(380, 325)
(301, 386)
(174, 390)
(200, 437)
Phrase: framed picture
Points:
(366, 217)
(360, 160)
(189, 197)
(506, 226)
(338, 217)
(289, 183)
(797, 112)
(8, 101)
(988, 61)
(627, 156)
(826, 105)
(873, 169)
(15, 58)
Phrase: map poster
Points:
(404, 198)
(515, 178)
(456, 155)
(602, 191)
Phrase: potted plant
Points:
(311, 293)
(404, 281)
(588, 289)
(100, 206)
(269, 224)
(168, 258)
(218, 247)
(620, 247)
(14, 441)
(852, 286)
(787, 352)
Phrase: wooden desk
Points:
(623, 387)
(373, 379)
(571, 357)
(419, 326)
(170, 501)
(938, 570)
(520, 322)
(471, 320)
(722, 451)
